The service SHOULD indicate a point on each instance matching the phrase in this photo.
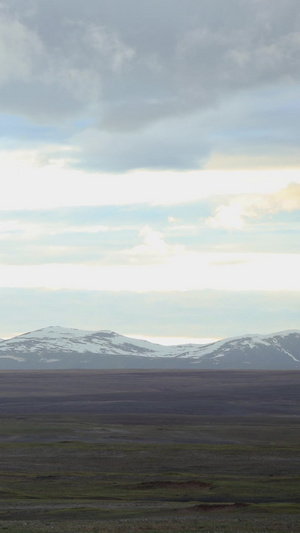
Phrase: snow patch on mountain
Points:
(19, 359)
(60, 347)
(59, 339)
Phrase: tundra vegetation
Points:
(135, 451)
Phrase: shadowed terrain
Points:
(122, 393)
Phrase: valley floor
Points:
(150, 451)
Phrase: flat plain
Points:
(173, 451)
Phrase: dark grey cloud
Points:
(163, 145)
(136, 65)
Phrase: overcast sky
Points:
(149, 163)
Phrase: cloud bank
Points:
(136, 85)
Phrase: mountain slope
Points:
(276, 351)
(68, 340)
(63, 348)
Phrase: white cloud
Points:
(237, 212)
(153, 250)
(287, 199)
(11, 230)
(20, 230)
(188, 271)
(36, 179)
(227, 216)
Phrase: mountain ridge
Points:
(60, 347)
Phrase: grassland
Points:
(150, 451)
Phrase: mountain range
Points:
(56, 347)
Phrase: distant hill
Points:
(66, 348)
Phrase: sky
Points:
(150, 167)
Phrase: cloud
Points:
(109, 45)
(36, 179)
(132, 134)
(160, 146)
(287, 199)
(48, 81)
(187, 271)
(238, 211)
(138, 235)
(153, 250)
(20, 51)
(143, 78)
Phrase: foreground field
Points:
(150, 451)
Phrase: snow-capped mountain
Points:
(65, 348)
(275, 351)
(66, 340)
